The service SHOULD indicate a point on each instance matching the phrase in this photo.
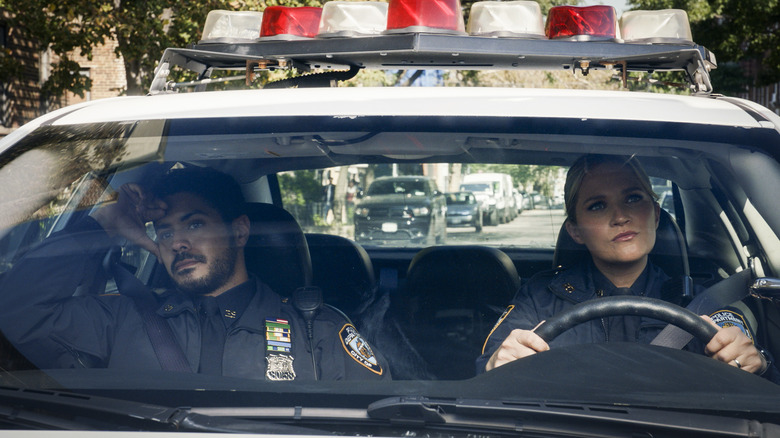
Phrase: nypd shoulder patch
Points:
(729, 318)
(358, 349)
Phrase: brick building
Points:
(107, 72)
(21, 99)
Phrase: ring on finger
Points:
(739, 365)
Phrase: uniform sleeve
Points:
(38, 312)
(520, 314)
(739, 315)
(346, 354)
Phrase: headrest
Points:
(343, 270)
(467, 276)
(670, 252)
(277, 251)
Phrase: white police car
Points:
(427, 310)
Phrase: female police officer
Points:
(612, 210)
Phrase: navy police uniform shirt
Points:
(549, 293)
(264, 336)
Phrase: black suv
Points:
(401, 209)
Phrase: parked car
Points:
(463, 210)
(401, 210)
(520, 201)
(498, 196)
(484, 193)
(427, 309)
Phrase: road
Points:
(533, 228)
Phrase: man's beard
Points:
(220, 272)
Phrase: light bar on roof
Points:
(586, 23)
(669, 26)
(231, 26)
(506, 19)
(428, 16)
(289, 23)
(340, 19)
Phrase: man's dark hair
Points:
(219, 190)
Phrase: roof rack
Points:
(422, 51)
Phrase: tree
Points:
(142, 28)
(734, 30)
(531, 177)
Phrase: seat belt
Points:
(167, 350)
(721, 294)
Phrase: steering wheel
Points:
(615, 306)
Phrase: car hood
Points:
(394, 199)
(459, 208)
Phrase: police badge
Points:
(279, 367)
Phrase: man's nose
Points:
(180, 244)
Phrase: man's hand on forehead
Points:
(128, 216)
(148, 208)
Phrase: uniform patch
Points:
(728, 318)
(498, 323)
(358, 349)
(503, 316)
(279, 367)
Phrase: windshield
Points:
(460, 198)
(122, 239)
(476, 188)
(388, 187)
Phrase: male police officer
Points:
(223, 320)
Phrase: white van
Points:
(494, 191)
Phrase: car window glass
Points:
(361, 209)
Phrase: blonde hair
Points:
(583, 166)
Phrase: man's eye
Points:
(195, 225)
(166, 235)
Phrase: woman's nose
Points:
(620, 216)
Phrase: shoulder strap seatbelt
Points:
(168, 351)
(714, 298)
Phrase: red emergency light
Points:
(284, 22)
(438, 16)
(579, 22)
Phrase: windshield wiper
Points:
(564, 419)
(45, 409)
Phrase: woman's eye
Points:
(634, 197)
(595, 206)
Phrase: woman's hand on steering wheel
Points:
(519, 344)
(730, 345)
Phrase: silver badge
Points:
(279, 367)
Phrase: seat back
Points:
(670, 252)
(452, 298)
(343, 270)
(277, 251)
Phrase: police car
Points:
(427, 309)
